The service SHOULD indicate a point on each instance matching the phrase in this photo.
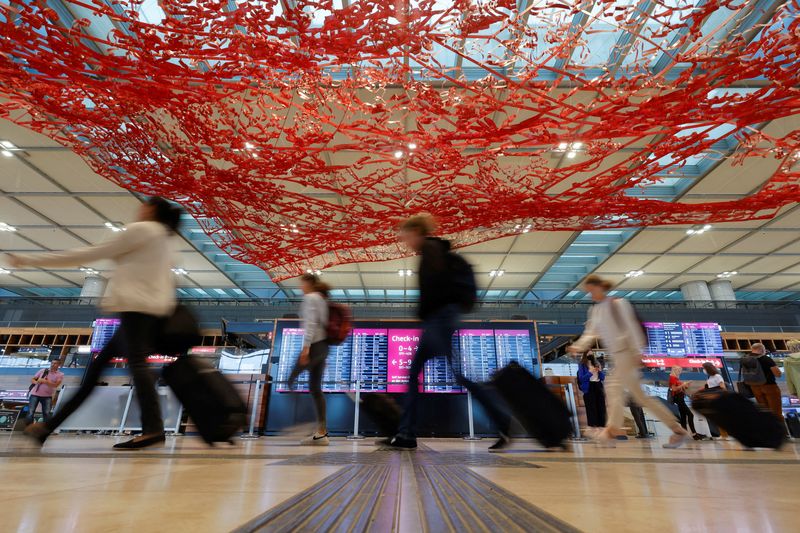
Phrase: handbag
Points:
(179, 332)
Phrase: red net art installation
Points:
(300, 132)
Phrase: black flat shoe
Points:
(138, 442)
(400, 443)
(501, 444)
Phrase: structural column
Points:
(722, 292)
(93, 286)
(696, 291)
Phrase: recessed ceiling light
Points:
(8, 144)
(496, 273)
(313, 271)
(562, 146)
(404, 272)
(699, 231)
(249, 145)
(89, 271)
(4, 271)
(6, 153)
(180, 271)
(412, 146)
(6, 227)
(727, 274)
(398, 154)
(571, 155)
(577, 146)
(634, 273)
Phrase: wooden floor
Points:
(77, 483)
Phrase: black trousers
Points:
(595, 402)
(317, 355)
(638, 417)
(134, 340)
(685, 412)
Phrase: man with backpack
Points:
(43, 386)
(759, 371)
(446, 290)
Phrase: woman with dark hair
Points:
(714, 382)
(141, 290)
(590, 381)
(314, 313)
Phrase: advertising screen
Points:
(378, 357)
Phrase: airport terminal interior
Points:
(399, 265)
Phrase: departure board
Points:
(339, 367)
(674, 339)
(477, 353)
(515, 345)
(370, 348)
(291, 344)
(103, 330)
(379, 358)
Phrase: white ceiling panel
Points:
(721, 263)
(647, 281)
(64, 210)
(93, 235)
(52, 238)
(193, 261)
(709, 242)
(625, 263)
(13, 241)
(23, 137)
(115, 208)
(16, 177)
(497, 245)
(774, 283)
(17, 214)
(762, 242)
(541, 241)
(71, 171)
(507, 281)
(789, 219)
(41, 278)
(527, 263)
(672, 264)
(387, 281)
(652, 240)
(485, 262)
(770, 264)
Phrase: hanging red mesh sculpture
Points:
(301, 135)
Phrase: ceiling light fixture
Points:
(313, 272)
(180, 271)
(114, 227)
(571, 155)
(4, 271)
(89, 271)
(496, 273)
(8, 145)
(404, 272)
(412, 146)
(6, 153)
(727, 274)
(634, 273)
(398, 154)
(6, 227)
(562, 146)
(698, 231)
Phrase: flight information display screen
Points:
(378, 359)
(102, 331)
(681, 339)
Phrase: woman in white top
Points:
(314, 312)
(141, 290)
(614, 322)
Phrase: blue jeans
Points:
(436, 340)
(44, 401)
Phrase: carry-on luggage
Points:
(543, 415)
(793, 423)
(383, 410)
(746, 422)
(210, 399)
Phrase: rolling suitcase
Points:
(209, 398)
(793, 423)
(383, 410)
(746, 422)
(543, 415)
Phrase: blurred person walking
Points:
(677, 389)
(314, 354)
(614, 322)
(590, 381)
(714, 382)
(141, 290)
(43, 386)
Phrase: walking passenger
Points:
(314, 313)
(44, 386)
(614, 322)
(714, 382)
(590, 381)
(141, 290)
(678, 389)
(765, 390)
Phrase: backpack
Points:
(43, 376)
(340, 323)
(751, 371)
(464, 286)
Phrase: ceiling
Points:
(54, 200)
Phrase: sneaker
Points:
(678, 439)
(316, 440)
(501, 443)
(400, 443)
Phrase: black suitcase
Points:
(543, 415)
(746, 422)
(793, 423)
(383, 410)
(210, 399)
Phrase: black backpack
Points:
(464, 286)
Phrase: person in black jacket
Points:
(438, 311)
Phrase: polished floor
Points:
(77, 483)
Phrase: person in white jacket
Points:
(141, 290)
(614, 322)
